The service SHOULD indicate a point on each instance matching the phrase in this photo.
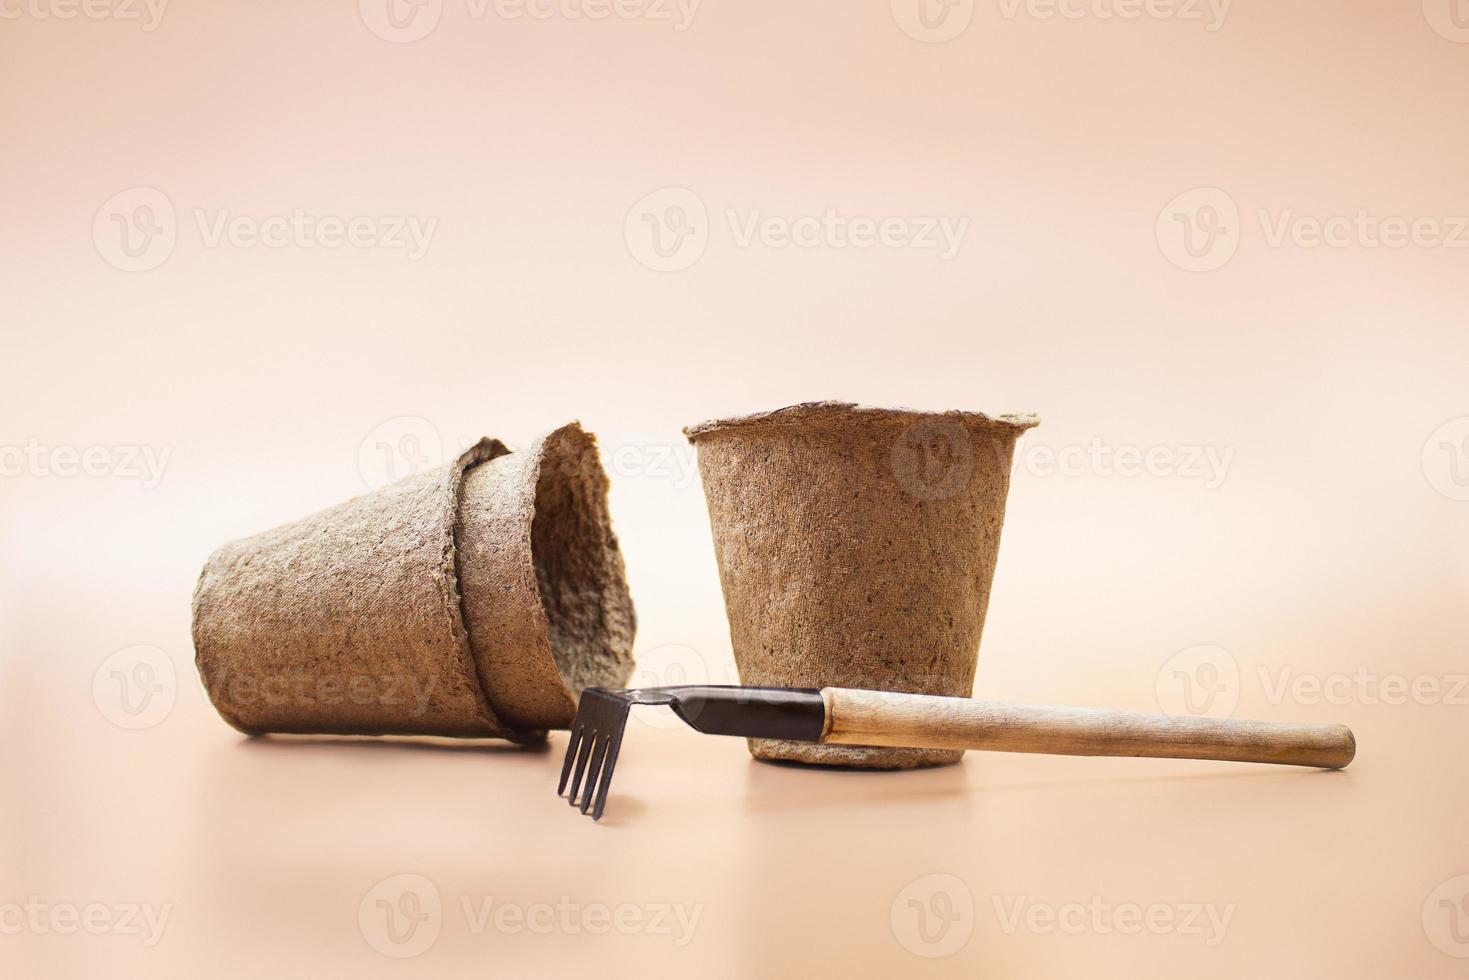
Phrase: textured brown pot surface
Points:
(472, 600)
(856, 548)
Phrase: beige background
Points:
(1137, 266)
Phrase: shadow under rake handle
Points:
(927, 721)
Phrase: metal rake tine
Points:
(581, 764)
(605, 780)
(599, 753)
(571, 747)
(594, 766)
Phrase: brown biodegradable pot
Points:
(856, 548)
(472, 600)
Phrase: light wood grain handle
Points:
(926, 721)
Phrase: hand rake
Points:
(841, 716)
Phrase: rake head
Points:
(748, 712)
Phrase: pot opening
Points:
(579, 571)
(848, 414)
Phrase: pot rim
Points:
(826, 410)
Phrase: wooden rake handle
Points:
(926, 721)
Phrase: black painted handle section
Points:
(752, 712)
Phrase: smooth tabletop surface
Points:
(217, 854)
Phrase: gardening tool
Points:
(842, 716)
